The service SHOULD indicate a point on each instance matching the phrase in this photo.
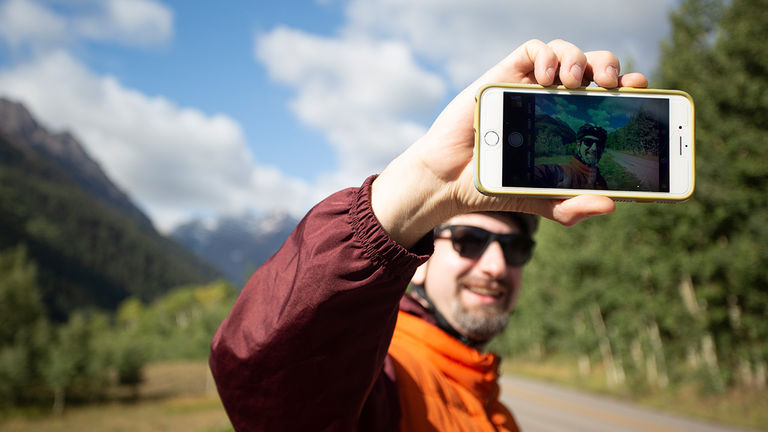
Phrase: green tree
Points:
(19, 300)
(23, 327)
(664, 294)
(718, 54)
(75, 366)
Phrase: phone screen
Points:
(585, 142)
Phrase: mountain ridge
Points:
(19, 125)
(236, 245)
(91, 245)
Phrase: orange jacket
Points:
(443, 384)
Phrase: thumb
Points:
(574, 210)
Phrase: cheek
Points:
(441, 277)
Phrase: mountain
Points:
(63, 151)
(553, 136)
(236, 246)
(91, 245)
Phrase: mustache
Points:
(486, 283)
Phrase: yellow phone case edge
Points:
(554, 195)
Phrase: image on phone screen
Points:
(585, 142)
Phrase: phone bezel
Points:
(488, 161)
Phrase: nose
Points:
(492, 262)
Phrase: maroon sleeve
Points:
(305, 343)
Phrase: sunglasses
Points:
(589, 141)
(471, 242)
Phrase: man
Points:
(461, 298)
(311, 344)
(581, 172)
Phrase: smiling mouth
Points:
(487, 292)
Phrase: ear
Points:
(421, 274)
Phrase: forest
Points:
(49, 364)
(659, 295)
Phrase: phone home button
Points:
(491, 138)
(515, 139)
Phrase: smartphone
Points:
(628, 144)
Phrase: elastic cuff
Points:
(379, 247)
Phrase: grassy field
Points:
(176, 396)
(743, 408)
(180, 396)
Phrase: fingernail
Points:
(577, 72)
(551, 74)
(613, 72)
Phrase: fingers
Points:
(573, 63)
(543, 60)
(561, 62)
(603, 68)
(535, 62)
(531, 63)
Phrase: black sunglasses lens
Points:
(517, 251)
(469, 242)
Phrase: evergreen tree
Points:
(668, 293)
(23, 327)
(718, 54)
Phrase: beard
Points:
(590, 156)
(482, 323)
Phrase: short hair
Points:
(526, 222)
(588, 129)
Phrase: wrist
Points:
(408, 200)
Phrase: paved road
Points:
(645, 170)
(542, 407)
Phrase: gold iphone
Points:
(628, 144)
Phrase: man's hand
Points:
(433, 180)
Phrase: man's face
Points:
(590, 150)
(477, 295)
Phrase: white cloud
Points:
(32, 24)
(176, 162)
(366, 96)
(24, 22)
(467, 38)
(133, 22)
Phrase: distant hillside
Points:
(553, 137)
(64, 152)
(236, 246)
(93, 247)
(639, 136)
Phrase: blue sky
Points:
(208, 63)
(200, 108)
